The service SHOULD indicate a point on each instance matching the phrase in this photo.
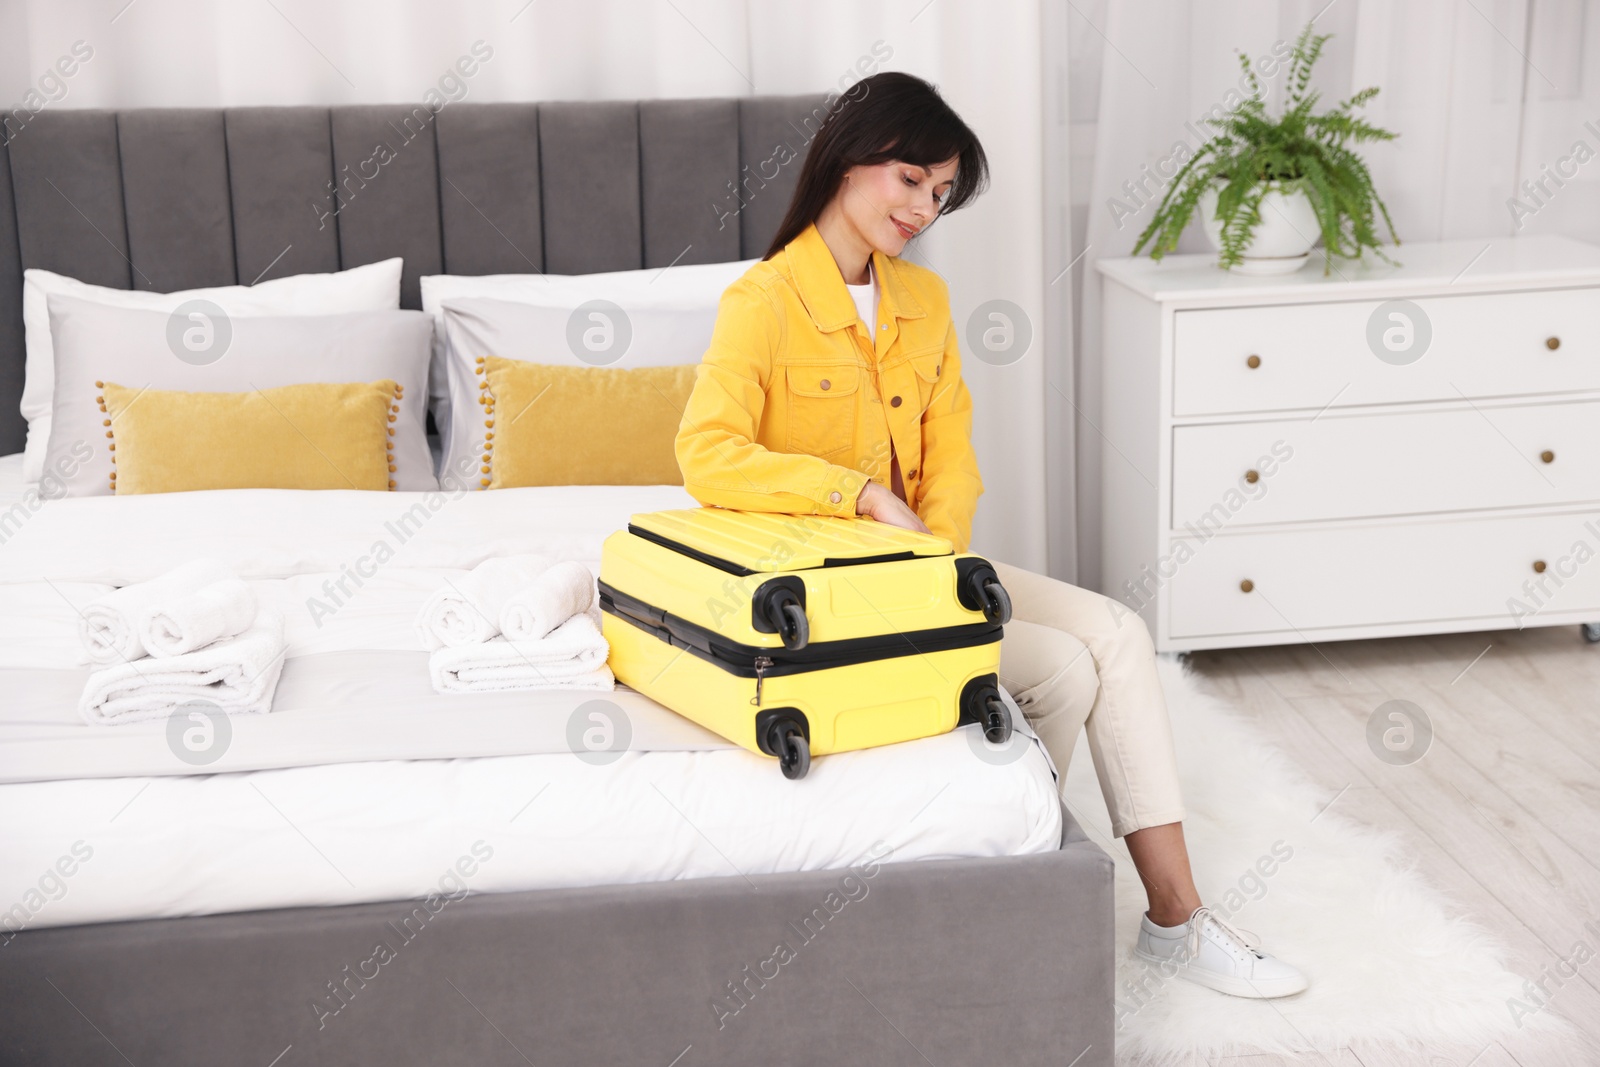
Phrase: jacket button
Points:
(895, 402)
(826, 384)
(911, 474)
(885, 326)
(834, 498)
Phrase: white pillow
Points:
(374, 287)
(689, 288)
(95, 342)
(475, 328)
(692, 285)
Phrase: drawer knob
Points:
(1548, 456)
(1252, 476)
(1253, 362)
(1552, 343)
(1246, 586)
(1538, 566)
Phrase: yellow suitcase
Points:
(801, 635)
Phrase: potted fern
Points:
(1267, 189)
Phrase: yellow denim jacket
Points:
(795, 404)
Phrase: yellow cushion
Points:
(562, 425)
(317, 436)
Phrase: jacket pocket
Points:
(822, 407)
(929, 366)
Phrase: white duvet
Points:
(363, 784)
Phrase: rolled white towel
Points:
(550, 600)
(467, 610)
(573, 656)
(236, 674)
(109, 627)
(193, 621)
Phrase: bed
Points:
(375, 873)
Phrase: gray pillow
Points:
(199, 349)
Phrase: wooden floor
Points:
(1503, 811)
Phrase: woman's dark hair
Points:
(889, 116)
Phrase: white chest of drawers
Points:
(1382, 451)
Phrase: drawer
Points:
(1368, 466)
(1310, 580)
(1314, 355)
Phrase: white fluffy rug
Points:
(1393, 966)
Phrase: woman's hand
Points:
(877, 502)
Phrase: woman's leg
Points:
(1162, 860)
(1108, 686)
(1057, 629)
(1051, 676)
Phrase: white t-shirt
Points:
(866, 298)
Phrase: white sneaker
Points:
(1214, 954)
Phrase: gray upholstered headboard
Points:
(175, 199)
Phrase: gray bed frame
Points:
(1006, 961)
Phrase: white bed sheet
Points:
(363, 785)
(358, 832)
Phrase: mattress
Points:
(363, 784)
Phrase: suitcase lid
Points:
(754, 541)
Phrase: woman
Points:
(833, 386)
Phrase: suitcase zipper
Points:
(762, 663)
(754, 661)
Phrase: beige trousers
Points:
(1075, 660)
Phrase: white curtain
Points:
(1499, 124)
(1484, 94)
(984, 57)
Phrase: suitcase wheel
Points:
(996, 721)
(779, 610)
(996, 602)
(784, 733)
(795, 629)
(792, 748)
(981, 703)
(978, 588)
(796, 758)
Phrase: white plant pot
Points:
(1282, 240)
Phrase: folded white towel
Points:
(554, 597)
(467, 610)
(193, 621)
(237, 674)
(573, 656)
(109, 627)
